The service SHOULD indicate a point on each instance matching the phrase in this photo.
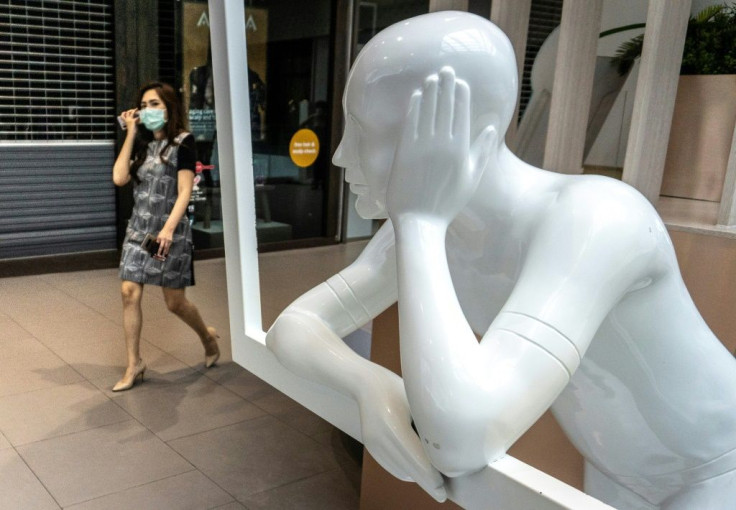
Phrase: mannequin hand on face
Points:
(435, 170)
(388, 436)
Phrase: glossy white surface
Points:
(571, 281)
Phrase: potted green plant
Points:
(705, 108)
(710, 43)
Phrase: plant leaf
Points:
(707, 13)
(627, 54)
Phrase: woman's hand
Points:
(130, 117)
(164, 239)
(435, 170)
(121, 168)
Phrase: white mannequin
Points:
(548, 268)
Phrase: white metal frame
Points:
(509, 483)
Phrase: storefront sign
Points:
(304, 147)
(202, 124)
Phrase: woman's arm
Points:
(121, 168)
(184, 184)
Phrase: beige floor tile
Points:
(71, 328)
(231, 506)
(193, 405)
(188, 491)
(36, 371)
(325, 491)
(66, 409)
(173, 336)
(240, 381)
(103, 362)
(348, 452)
(79, 277)
(210, 274)
(214, 313)
(20, 300)
(255, 455)
(108, 303)
(79, 284)
(86, 462)
(97, 462)
(292, 413)
(10, 330)
(19, 286)
(17, 344)
(19, 488)
(4, 443)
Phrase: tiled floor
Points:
(187, 438)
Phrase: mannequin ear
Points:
(483, 147)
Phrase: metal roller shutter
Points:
(56, 199)
(57, 101)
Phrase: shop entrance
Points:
(289, 72)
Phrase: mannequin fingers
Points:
(411, 465)
(428, 109)
(411, 124)
(417, 463)
(445, 102)
(461, 117)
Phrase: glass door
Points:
(289, 70)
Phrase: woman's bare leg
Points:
(178, 304)
(132, 322)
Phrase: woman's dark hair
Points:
(175, 124)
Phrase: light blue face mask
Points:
(152, 118)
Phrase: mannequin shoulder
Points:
(606, 200)
(608, 212)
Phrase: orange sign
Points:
(304, 147)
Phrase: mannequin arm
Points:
(306, 339)
(470, 400)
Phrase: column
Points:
(512, 16)
(448, 5)
(654, 101)
(573, 86)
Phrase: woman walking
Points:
(159, 156)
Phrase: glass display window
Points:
(289, 48)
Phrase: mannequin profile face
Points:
(393, 65)
(366, 152)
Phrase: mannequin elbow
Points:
(274, 339)
(284, 339)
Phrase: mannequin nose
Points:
(346, 154)
(338, 159)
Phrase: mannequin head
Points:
(393, 65)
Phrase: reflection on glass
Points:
(289, 73)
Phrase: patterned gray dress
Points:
(154, 197)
